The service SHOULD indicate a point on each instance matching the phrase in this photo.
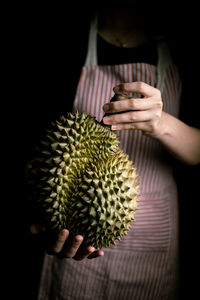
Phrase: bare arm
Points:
(180, 140)
(146, 114)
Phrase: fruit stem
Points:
(116, 97)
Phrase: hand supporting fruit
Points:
(146, 114)
(64, 246)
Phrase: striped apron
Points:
(144, 264)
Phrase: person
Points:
(123, 57)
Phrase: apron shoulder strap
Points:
(164, 60)
(91, 58)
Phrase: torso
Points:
(143, 265)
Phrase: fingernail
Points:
(114, 127)
(91, 249)
(78, 239)
(106, 107)
(107, 119)
(101, 253)
(63, 232)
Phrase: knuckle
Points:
(158, 93)
(132, 103)
(69, 252)
(140, 85)
(132, 117)
(76, 243)
(159, 105)
(114, 119)
(54, 249)
(90, 250)
(151, 127)
(156, 114)
(132, 126)
(61, 239)
(68, 255)
(77, 240)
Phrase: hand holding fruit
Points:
(136, 113)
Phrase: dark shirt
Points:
(109, 54)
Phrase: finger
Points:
(128, 117)
(59, 243)
(129, 104)
(72, 247)
(84, 253)
(144, 126)
(95, 254)
(137, 87)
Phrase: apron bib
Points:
(95, 88)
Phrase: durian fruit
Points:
(84, 182)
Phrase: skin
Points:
(143, 114)
(146, 114)
(65, 247)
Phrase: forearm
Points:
(181, 140)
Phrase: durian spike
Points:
(87, 185)
(116, 97)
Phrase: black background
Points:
(37, 80)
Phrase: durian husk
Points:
(84, 182)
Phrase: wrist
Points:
(163, 127)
